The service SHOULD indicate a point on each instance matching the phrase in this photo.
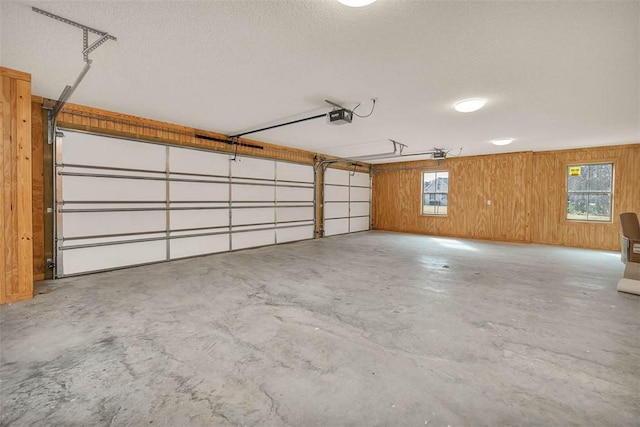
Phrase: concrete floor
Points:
(369, 329)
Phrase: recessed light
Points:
(502, 141)
(469, 105)
(356, 3)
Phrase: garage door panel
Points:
(112, 256)
(70, 243)
(359, 224)
(293, 234)
(296, 194)
(253, 216)
(294, 214)
(336, 210)
(359, 209)
(248, 167)
(252, 192)
(358, 194)
(336, 226)
(200, 245)
(359, 179)
(97, 150)
(336, 176)
(101, 223)
(191, 161)
(294, 172)
(198, 218)
(82, 188)
(198, 191)
(334, 193)
(249, 239)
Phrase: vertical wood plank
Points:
(4, 211)
(16, 187)
(24, 188)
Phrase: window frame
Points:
(567, 193)
(424, 195)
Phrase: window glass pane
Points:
(599, 207)
(600, 177)
(429, 182)
(425, 203)
(432, 200)
(578, 182)
(442, 182)
(577, 206)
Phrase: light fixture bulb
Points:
(502, 141)
(469, 105)
(356, 3)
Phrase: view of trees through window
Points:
(589, 192)
(435, 190)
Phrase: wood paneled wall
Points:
(16, 267)
(549, 196)
(527, 193)
(502, 179)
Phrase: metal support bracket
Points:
(94, 46)
(86, 50)
(398, 146)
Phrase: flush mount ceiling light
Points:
(469, 105)
(356, 3)
(502, 141)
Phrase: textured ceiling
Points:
(556, 74)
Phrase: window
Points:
(435, 189)
(589, 192)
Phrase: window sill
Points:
(586, 221)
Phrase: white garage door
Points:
(123, 203)
(346, 202)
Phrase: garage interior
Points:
(281, 213)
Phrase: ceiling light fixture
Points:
(502, 141)
(356, 3)
(469, 105)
